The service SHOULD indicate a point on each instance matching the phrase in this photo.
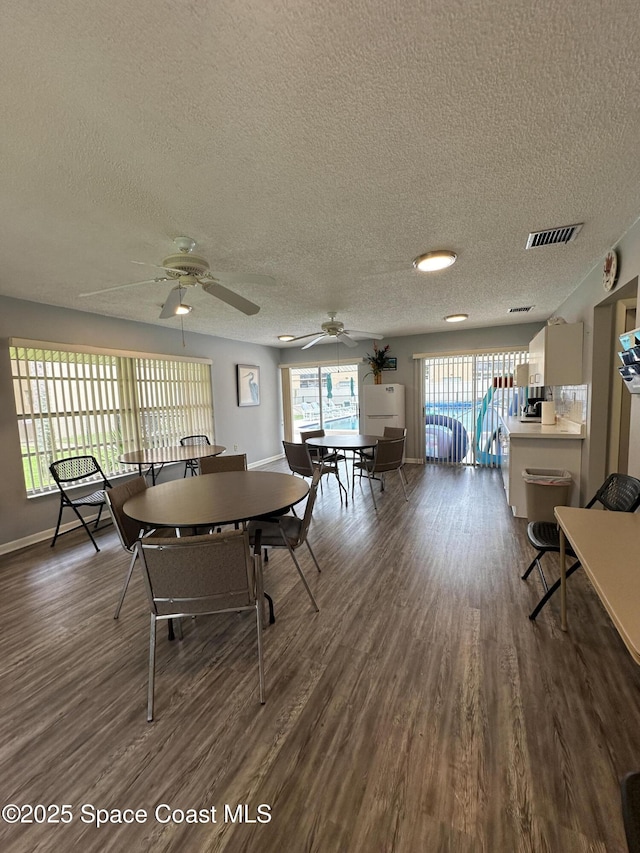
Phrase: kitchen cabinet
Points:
(527, 445)
(555, 355)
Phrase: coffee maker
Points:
(532, 411)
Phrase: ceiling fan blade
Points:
(314, 341)
(123, 286)
(344, 337)
(238, 278)
(374, 335)
(231, 298)
(171, 303)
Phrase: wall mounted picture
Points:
(391, 364)
(248, 385)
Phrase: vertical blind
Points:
(102, 403)
(467, 398)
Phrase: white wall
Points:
(256, 430)
(591, 305)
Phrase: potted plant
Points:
(378, 361)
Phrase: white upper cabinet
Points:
(555, 355)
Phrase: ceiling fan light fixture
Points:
(286, 338)
(456, 318)
(432, 261)
(183, 309)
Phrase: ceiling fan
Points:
(333, 328)
(188, 270)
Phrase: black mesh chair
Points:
(618, 493)
(630, 788)
(72, 472)
(191, 466)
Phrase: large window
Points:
(323, 396)
(102, 403)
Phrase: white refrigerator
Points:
(381, 406)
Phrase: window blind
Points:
(103, 404)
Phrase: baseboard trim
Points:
(42, 535)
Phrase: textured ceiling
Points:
(324, 144)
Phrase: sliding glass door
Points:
(322, 396)
(467, 399)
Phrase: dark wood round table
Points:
(355, 442)
(212, 499)
(349, 441)
(153, 456)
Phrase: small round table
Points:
(347, 441)
(153, 456)
(211, 499)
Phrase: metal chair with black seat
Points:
(290, 532)
(630, 787)
(71, 472)
(191, 466)
(388, 456)
(198, 576)
(618, 493)
(388, 433)
(323, 454)
(301, 462)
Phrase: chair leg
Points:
(260, 660)
(532, 566)
(552, 589)
(55, 535)
(152, 668)
(126, 584)
(313, 556)
(404, 488)
(373, 497)
(272, 614)
(86, 527)
(301, 573)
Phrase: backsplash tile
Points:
(571, 402)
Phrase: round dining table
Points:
(152, 456)
(355, 442)
(347, 441)
(223, 498)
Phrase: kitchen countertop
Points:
(563, 429)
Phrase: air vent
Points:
(522, 310)
(551, 236)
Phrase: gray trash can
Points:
(545, 489)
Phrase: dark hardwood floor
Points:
(419, 710)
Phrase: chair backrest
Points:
(216, 464)
(116, 497)
(199, 574)
(298, 458)
(388, 455)
(308, 510)
(312, 433)
(75, 468)
(195, 439)
(619, 493)
(394, 432)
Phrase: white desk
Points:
(608, 547)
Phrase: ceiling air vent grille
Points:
(551, 236)
(522, 310)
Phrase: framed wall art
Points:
(248, 385)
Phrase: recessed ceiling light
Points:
(432, 261)
(183, 309)
(456, 318)
(286, 337)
